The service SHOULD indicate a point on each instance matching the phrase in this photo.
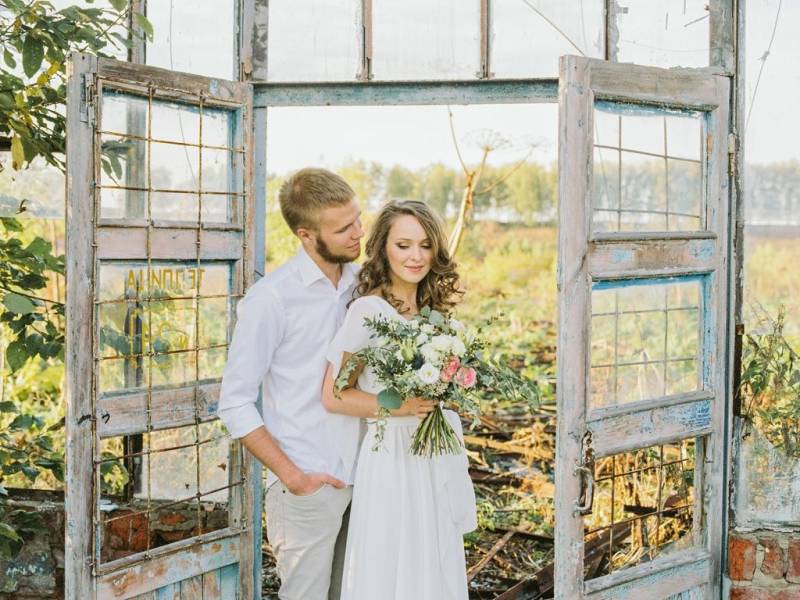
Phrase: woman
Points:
(408, 513)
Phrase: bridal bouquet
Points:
(436, 357)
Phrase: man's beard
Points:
(329, 256)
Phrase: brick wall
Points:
(764, 565)
(37, 573)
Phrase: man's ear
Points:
(306, 236)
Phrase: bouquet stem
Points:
(435, 436)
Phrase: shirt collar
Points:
(310, 272)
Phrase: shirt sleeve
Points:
(260, 327)
(353, 335)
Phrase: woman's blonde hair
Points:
(440, 288)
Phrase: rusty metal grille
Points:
(165, 325)
(644, 506)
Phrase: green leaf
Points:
(119, 5)
(436, 318)
(8, 407)
(390, 399)
(425, 311)
(17, 153)
(7, 531)
(39, 246)
(144, 25)
(32, 55)
(18, 304)
(16, 355)
(9, 58)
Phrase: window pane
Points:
(313, 40)
(194, 37)
(165, 137)
(668, 33)
(148, 334)
(648, 169)
(645, 340)
(528, 37)
(426, 39)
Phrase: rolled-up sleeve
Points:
(259, 330)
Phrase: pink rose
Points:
(466, 377)
(450, 369)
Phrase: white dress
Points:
(409, 513)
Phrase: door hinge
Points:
(87, 99)
(732, 147)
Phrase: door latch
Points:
(585, 470)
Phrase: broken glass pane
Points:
(529, 36)
(668, 33)
(426, 39)
(314, 40)
(194, 37)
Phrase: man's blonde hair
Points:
(307, 192)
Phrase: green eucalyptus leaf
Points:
(16, 355)
(390, 399)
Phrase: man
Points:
(285, 323)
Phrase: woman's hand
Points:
(415, 406)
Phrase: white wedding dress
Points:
(409, 513)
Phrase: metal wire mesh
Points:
(166, 313)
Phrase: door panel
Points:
(160, 501)
(643, 283)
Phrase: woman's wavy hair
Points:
(440, 288)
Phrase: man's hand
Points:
(307, 483)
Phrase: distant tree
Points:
(400, 183)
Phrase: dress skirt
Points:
(408, 517)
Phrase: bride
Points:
(408, 512)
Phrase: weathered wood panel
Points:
(650, 426)
(130, 243)
(661, 578)
(170, 568)
(393, 93)
(171, 591)
(211, 586)
(575, 141)
(192, 587)
(662, 257)
(687, 88)
(229, 580)
(165, 81)
(79, 388)
(126, 414)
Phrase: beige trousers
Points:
(308, 536)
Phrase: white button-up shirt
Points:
(284, 325)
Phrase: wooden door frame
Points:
(89, 239)
(585, 256)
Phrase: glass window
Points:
(425, 39)
(645, 340)
(162, 325)
(314, 40)
(194, 37)
(667, 33)
(647, 169)
(529, 36)
(171, 156)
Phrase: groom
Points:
(285, 323)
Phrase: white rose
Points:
(457, 347)
(429, 353)
(457, 325)
(427, 328)
(441, 343)
(421, 339)
(428, 374)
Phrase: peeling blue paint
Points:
(703, 250)
(622, 255)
